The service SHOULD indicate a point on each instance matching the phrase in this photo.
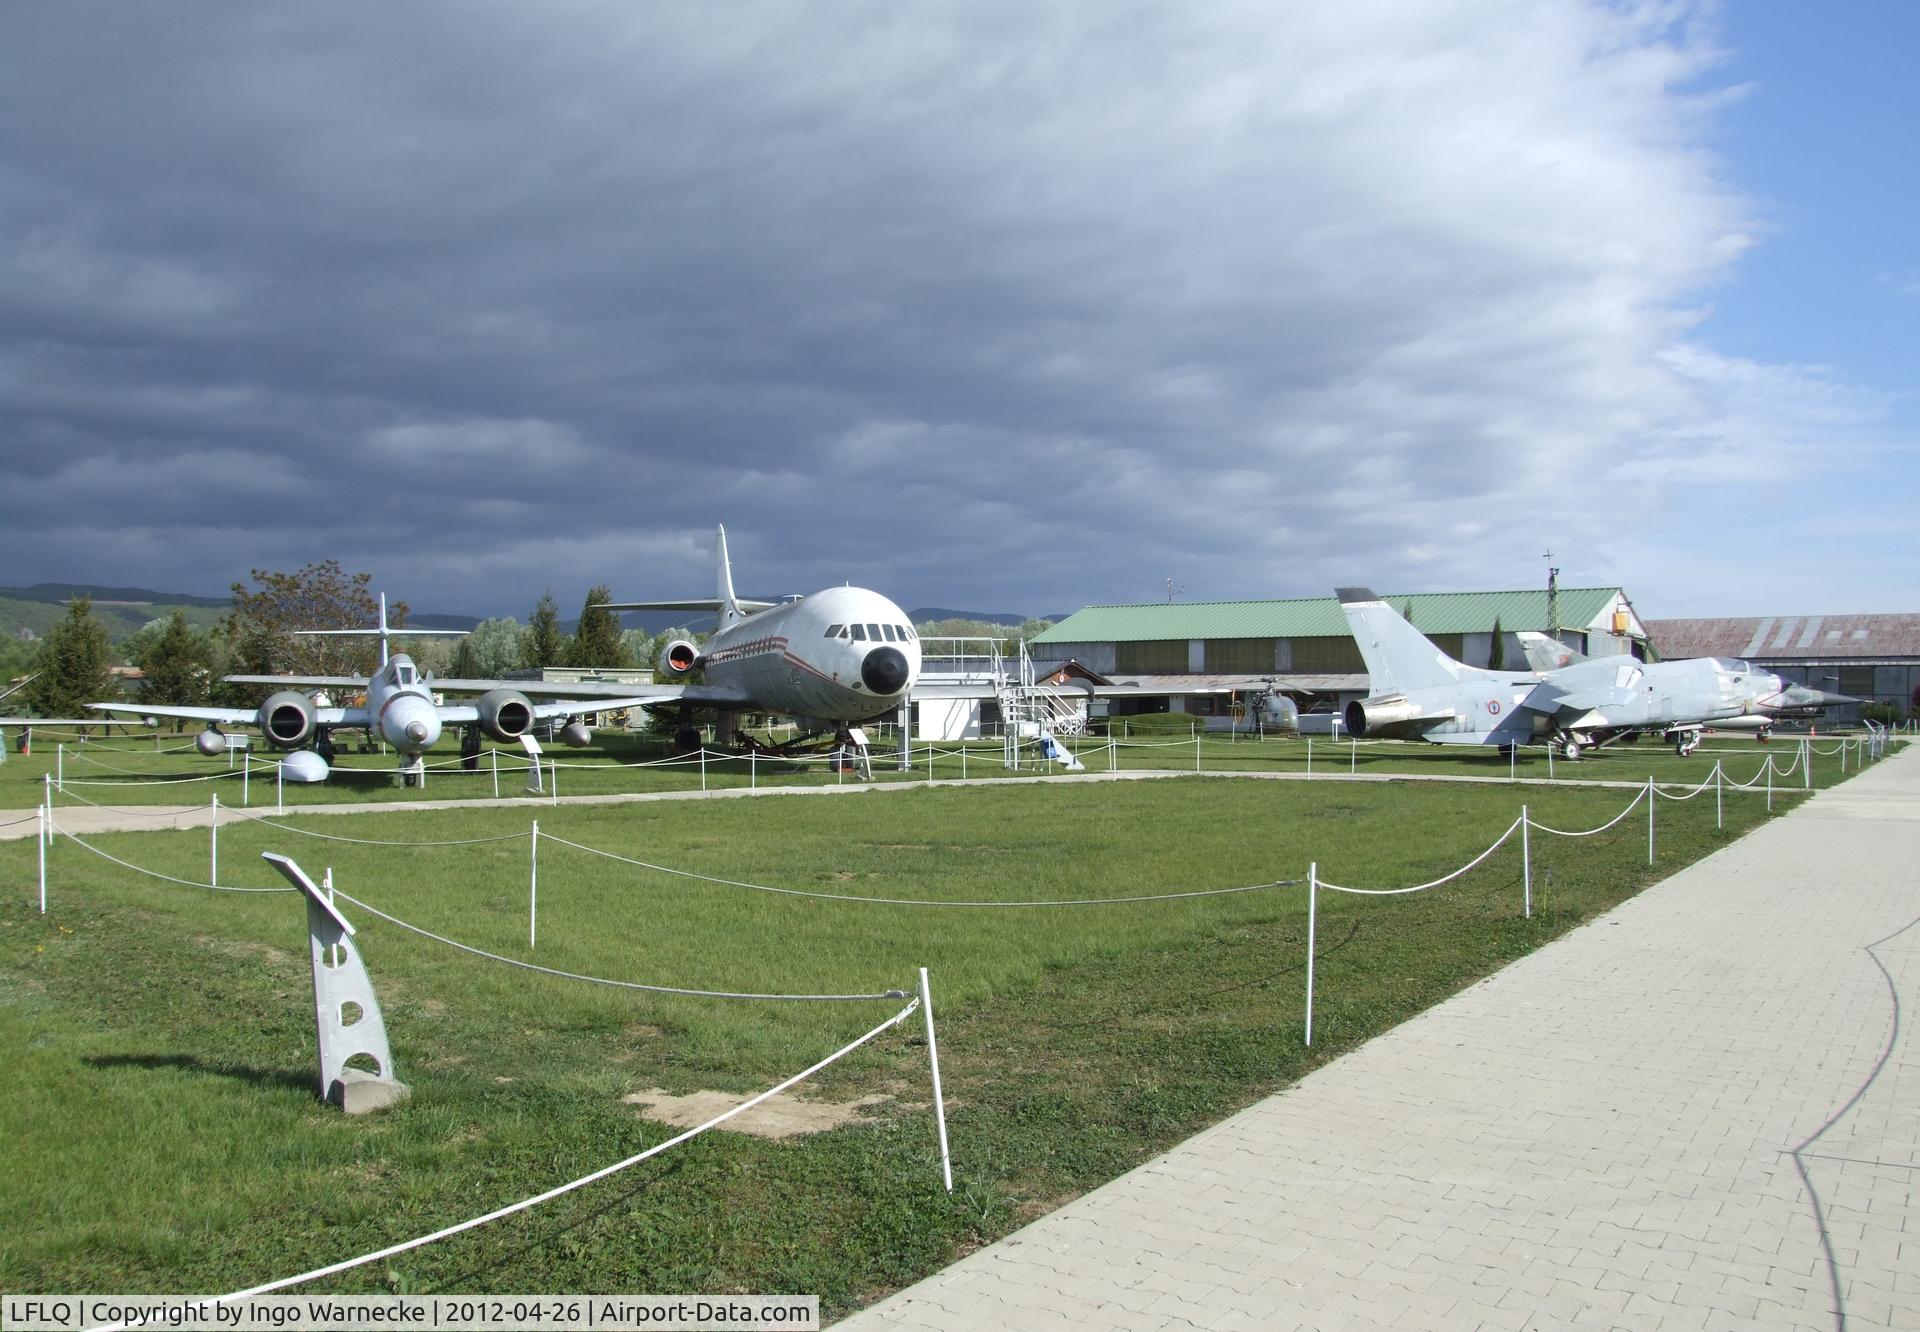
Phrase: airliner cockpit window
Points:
(873, 632)
(833, 630)
(886, 632)
(859, 633)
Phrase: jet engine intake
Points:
(678, 658)
(286, 719)
(505, 714)
(1384, 717)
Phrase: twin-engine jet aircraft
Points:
(1420, 693)
(399, 709)
(837, 658)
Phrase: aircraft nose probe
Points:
(884, 670)
(417, 732)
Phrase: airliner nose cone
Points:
(885, 670)
(417, 732)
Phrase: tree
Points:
(597, 643)
(73, 665)
(177, 666)
(466, 662)
(320, 596)
(1497, 654)
(544, 646)
(498, 647)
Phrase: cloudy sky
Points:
(995, 306)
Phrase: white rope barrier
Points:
(265, 820)
(156, 874)
(1594, 832)
(1694, 792)
(603, 980)
(526, 1204)
(911, 901)
(1422, 887)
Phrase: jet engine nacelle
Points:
(678, 658)
(1381, 716)
(505, 714)
(210, 742)
(286, 719)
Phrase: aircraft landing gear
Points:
(1572, 749)
(470, 749)
(324, 748)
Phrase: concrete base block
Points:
(360, 1093)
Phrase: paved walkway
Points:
(1700, 1112)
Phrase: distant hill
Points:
(928, 614)
(59, 594)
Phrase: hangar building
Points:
(1194, 656)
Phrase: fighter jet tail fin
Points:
(1399, 657)
(1546, 654)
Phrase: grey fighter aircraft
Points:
(1420, 693)
(1799, 702)
(399, 710)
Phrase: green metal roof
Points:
(1320, 617)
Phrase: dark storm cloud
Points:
(983, 305)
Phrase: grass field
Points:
(163, 1135)
(126, 771)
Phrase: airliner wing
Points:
(711, 605)
(605, 695)
(231, 716)
(462, 714)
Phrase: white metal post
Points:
(213, 843)
(1313, 910)
(1549, 758)
(1309, 756)
(1526, 866)
(46, 798)
(280, 787)
(1652, 799)
(40, 836)
(496, 772)
(1769, 783)
(246, 780)
(60, 767)
(1513, 758)
(1196, 751)
(1353, 756)
(939, 1101)
(703, 769)
(1719, 796)
(1806, 764)
(533, 887)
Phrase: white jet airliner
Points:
(839, 657)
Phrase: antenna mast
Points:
(1553, 598)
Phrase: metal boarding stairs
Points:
(1028, 708)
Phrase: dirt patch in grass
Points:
(782, 1117)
